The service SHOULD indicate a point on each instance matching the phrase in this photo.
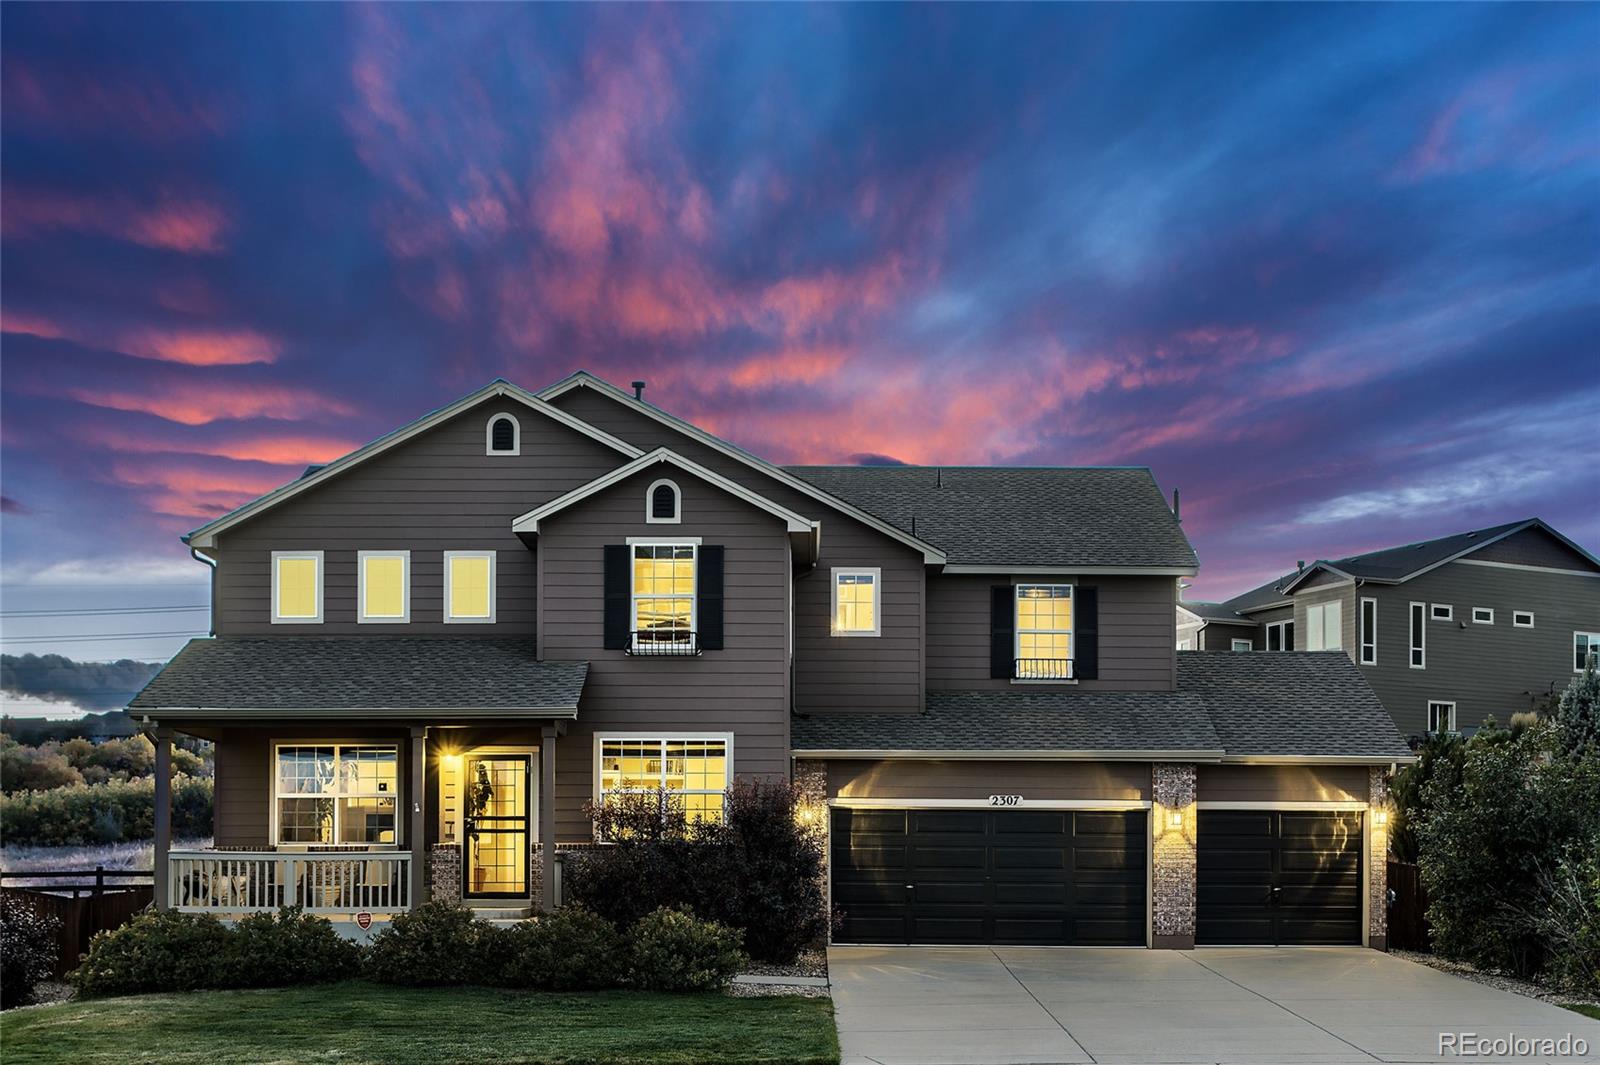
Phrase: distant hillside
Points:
(91, 685)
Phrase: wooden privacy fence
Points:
(83, 901)
(1408, 908)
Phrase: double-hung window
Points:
(1441, 717)
(1323, 627)
(297, 587)
(1044, 632)
(1369, 632)
(663, 607)
(1280, 636)
(385, 586)
(856, 599)
(1584, 645)
(326, 794)
(469, 593)
(1419, 636)
(695, 769)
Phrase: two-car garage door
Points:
(990, 876)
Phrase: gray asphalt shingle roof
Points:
(1395, 563)
(1215, 612)
(1314, 704)
(1262, 596)
(1019, 515)
(335, 673)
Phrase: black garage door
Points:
(990, 876)
(1270, 876)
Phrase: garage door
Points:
(990, 876)
(1278, 877)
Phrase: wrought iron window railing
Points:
(1042, 669)
(664, 643)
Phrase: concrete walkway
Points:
(1322, 1005)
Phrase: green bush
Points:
(159, 950)
(29, 949)
(285, 948)
(572, 949)
(673, 950)
(1571, 924)
(102, 813)
(1441, 754)
(439, 944)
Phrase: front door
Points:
(496, 792)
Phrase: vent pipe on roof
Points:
(1177, 511)
(1300, 565)
(638, 389)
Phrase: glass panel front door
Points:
(496, 825)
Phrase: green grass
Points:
(1586, 1010)
(359, 1023)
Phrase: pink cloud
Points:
(186, 225)
(200, 403)
(203, 347)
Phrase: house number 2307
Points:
(1005, 800)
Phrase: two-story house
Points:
(1448, 632)
(433, 655)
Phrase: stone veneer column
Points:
(444, 872)
(811, 784)
(1173, 855)
(1378, 859)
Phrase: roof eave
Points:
(454, 713)
(1002, 754)
(1000, 568)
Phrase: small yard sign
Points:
(364, 919)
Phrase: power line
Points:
(97, 636)
(117, 610)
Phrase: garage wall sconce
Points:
(1380, 818)
(1175, 819)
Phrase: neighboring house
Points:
(432, 655)
(1448, 632)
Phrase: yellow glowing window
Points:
(663, 594)
(297, 587)
(469, 585)
(1044, 631)
(693, 771)
(855, 602)
(384, 586)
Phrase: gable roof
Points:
(205, 535)
(585, 379)
(1395, 565)
(1214, 613)
(1262, 597)
(1089, 519)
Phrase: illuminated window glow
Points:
(1044, 632)
(297, 586)
(695, 769)
(856, 600)
(385, 585)
(663, 593)
(469, 586)
(336, 794)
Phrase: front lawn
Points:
(1583, 1008)
(359, 1022)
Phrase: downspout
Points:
(198, 557)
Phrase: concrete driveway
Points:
(1005, 1005)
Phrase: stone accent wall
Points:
(444, 872)
(1173, 859)
(1378, 873)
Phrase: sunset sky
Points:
(1330, 271)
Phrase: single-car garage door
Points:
(990, 876)
(1278, 877)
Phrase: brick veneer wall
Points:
(444, 872)
(1173, 857)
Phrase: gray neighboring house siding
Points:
(437, 492)
(858, 673)
(1219, 636)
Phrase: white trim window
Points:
(1186, 644)
(1368, 638)
(664, 585)
(1483, 615)
(1441, 717)
(1280, 636)
(332, 794)
(857, 601)
(1324, 627)
(297, 587)
(698, 768)
(1419, 636)
(502, 435)
(469, 587)
(1044, 632)
(1442, 612)
(1585, 646)
(663, 503)
(1522, 619)
(383, 587)
(1241, 645)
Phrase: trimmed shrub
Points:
(573, 949)
(159, 950)
(673, 950)
(103, 813)
(285, 948)
(29, 950)
(439, 944)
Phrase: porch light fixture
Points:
(1175, 819)
(1380, 818)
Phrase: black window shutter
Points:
(1002, 628)
(1086, 632)
(710, 590)
(618, 589)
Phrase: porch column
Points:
(547, 817)
(162, 737)
(416, 795)
(1173, 828)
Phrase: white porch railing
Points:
(318, 881)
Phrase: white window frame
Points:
(1442, 612)
(1335, 607)
(1367, 642)
(1450, 716)
(361, 588)
(877, 600)
(1241, 645)
(494, 588)
(1417, 628)
(649, 501)
(633, 591)
(1518, 615)
(1283, 634)
(400, 819)
(1593, 639)
(1186, 644)
(663, 738)
(316, 619)
(1018, 631)
(1483, 610)
(516, 435)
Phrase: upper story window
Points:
(1419, 637)
(1585, 646)
(1044, 632)
(1323, 627)
(1241, 645)
(469, 586)
(297, 587)
(384, 586)
(1441, 717)
(503, 435)
(1280, 636)
(1483, 615)
(856, 601)
(1443, 612)
(1522, 619)
(663, 504)
(334, 793)
(663, 598)
(1369, 632)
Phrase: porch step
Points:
(502, 914)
